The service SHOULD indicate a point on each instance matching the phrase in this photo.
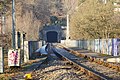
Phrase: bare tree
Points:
(31, 15)
(94, 19)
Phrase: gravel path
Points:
(58, 70)
(54, 69)
(102, 69)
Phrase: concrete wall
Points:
(70, 43)
(29, 48)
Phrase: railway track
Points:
(55, 68)
(94, 70)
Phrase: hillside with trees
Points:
(30, 15)
(30, 18)
(88, 18)
(39, 12)
(94, 19)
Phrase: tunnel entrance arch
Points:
(52, 36)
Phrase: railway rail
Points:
(115, 66)
(94, 70)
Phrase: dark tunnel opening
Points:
(52, 37)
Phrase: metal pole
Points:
(13, 24)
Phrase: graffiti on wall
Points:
(13, 58)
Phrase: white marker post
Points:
(1, 60)
(26, 51)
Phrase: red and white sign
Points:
(14, 58)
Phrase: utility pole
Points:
(104, 1)
(67, 33)
(13, 24)
(3, 18)
(68, 21)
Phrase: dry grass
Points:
(10, 72)
(104, 55)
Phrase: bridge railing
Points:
(104, 46)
